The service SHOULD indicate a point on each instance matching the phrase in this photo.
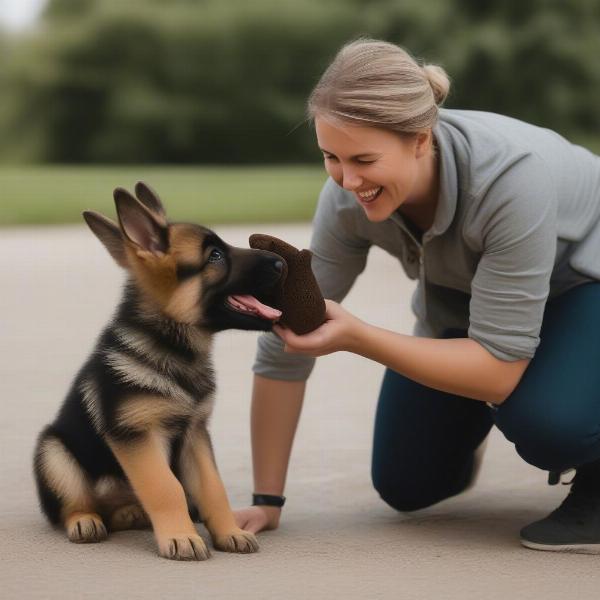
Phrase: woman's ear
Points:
(424, 142)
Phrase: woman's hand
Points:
(341, 331)
(257, 518)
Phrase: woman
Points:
(499, 221)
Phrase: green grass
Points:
(209, 195)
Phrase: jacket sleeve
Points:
(339, 256)
(516, 221)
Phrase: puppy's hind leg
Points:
(65, 493)
(130, 516)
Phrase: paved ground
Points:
(337, 539)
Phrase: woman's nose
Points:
(351, 180)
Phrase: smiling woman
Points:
(499, 221)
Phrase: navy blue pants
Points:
(424, 439)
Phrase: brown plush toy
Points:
(297, 296)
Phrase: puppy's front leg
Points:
(203, 482)
(162, 497)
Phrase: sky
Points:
(18, 14)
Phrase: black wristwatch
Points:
(267, 500)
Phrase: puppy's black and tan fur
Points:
(130, 446)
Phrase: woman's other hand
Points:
(257, 518)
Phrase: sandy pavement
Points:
(337, 538)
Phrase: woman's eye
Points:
(215, 256)
(358, 161)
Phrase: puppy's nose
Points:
(278, 266)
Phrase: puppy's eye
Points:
(215, 256)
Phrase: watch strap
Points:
(267, 500)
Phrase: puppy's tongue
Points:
(251, 304)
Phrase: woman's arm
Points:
(276, 407)
(339, 255)
(457, 366)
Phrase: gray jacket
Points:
(517, 222)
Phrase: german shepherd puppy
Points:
(130, 447)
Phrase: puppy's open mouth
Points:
(249, 305)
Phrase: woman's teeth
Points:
(369, 194)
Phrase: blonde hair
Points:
(379, 84)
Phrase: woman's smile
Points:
(369, 196)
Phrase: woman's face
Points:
(382, 169)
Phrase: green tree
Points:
(226, 81)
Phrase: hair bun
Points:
(380, 84)
(439, 81)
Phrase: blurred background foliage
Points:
(225, 81)
(99, 87)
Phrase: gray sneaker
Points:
(573, 527)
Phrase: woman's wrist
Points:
(358, 336)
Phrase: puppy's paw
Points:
(86, 528)
(185, 547)
(238, 540)
(131, 516)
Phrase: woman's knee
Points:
(551, 439)
(553, 416)
(414, 491)
(400, 498)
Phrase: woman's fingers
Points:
(298, 343)
(257, 518)
(241, 518)
(244, 520)
(322, 340)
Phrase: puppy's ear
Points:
(140, 225)
(109, 234)
(149, 198)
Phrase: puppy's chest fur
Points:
(147, 372)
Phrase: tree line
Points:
(226, 81)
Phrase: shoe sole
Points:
(572, 548)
